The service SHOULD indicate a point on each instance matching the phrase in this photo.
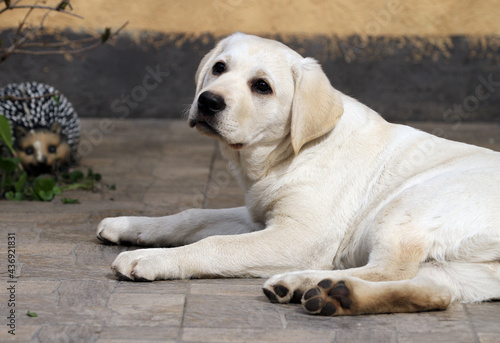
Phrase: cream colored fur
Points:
(408, 221)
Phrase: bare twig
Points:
(96, 42)
(59, 44)
(22, 42)
(42, 7)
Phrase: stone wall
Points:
(425, 60)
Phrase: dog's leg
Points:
(391, 259)
(290, 287)
(435, 286)
(276, 249)
(467, 281)
(183, 228)
(352, 296)
(340, 293)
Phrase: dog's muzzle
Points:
(209, 104)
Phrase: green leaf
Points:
(112, 187)
(9, 164)
(32, 314)
(17, 196)
(10, 195)
(70, 201)
(62, 5)
(44, 184)
(6, 133)
(87, 186)
(76, 176)
(45, 188)
(21, 183)
(56, 99)
(16, 184)
(45, 195)
(106, 34)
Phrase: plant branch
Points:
(59, 44)
(57, 52)
(56, 9)
(22, 43)
(96, 42)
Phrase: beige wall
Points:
(339, 17)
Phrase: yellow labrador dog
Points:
(354, 214)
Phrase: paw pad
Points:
(121, 277)
(313, 305)
(327, 298)
(280, 291)
(311, 293)
(296, 297)
(270, 295)
(340, 292)
(105, 240)
(277, 291)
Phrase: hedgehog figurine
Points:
(45, 127)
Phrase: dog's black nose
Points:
(210, 103)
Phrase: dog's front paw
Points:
(145, 265)
(119, 230)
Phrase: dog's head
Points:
(251, 90)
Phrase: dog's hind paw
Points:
(289, 287)
(281, 294)
(328, 298)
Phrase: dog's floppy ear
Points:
(316, 106)
(205, 64)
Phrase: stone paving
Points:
(160, 167)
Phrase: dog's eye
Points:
(29, 150)
(218, 68)
(261, 86)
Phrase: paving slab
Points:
(160, 167)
